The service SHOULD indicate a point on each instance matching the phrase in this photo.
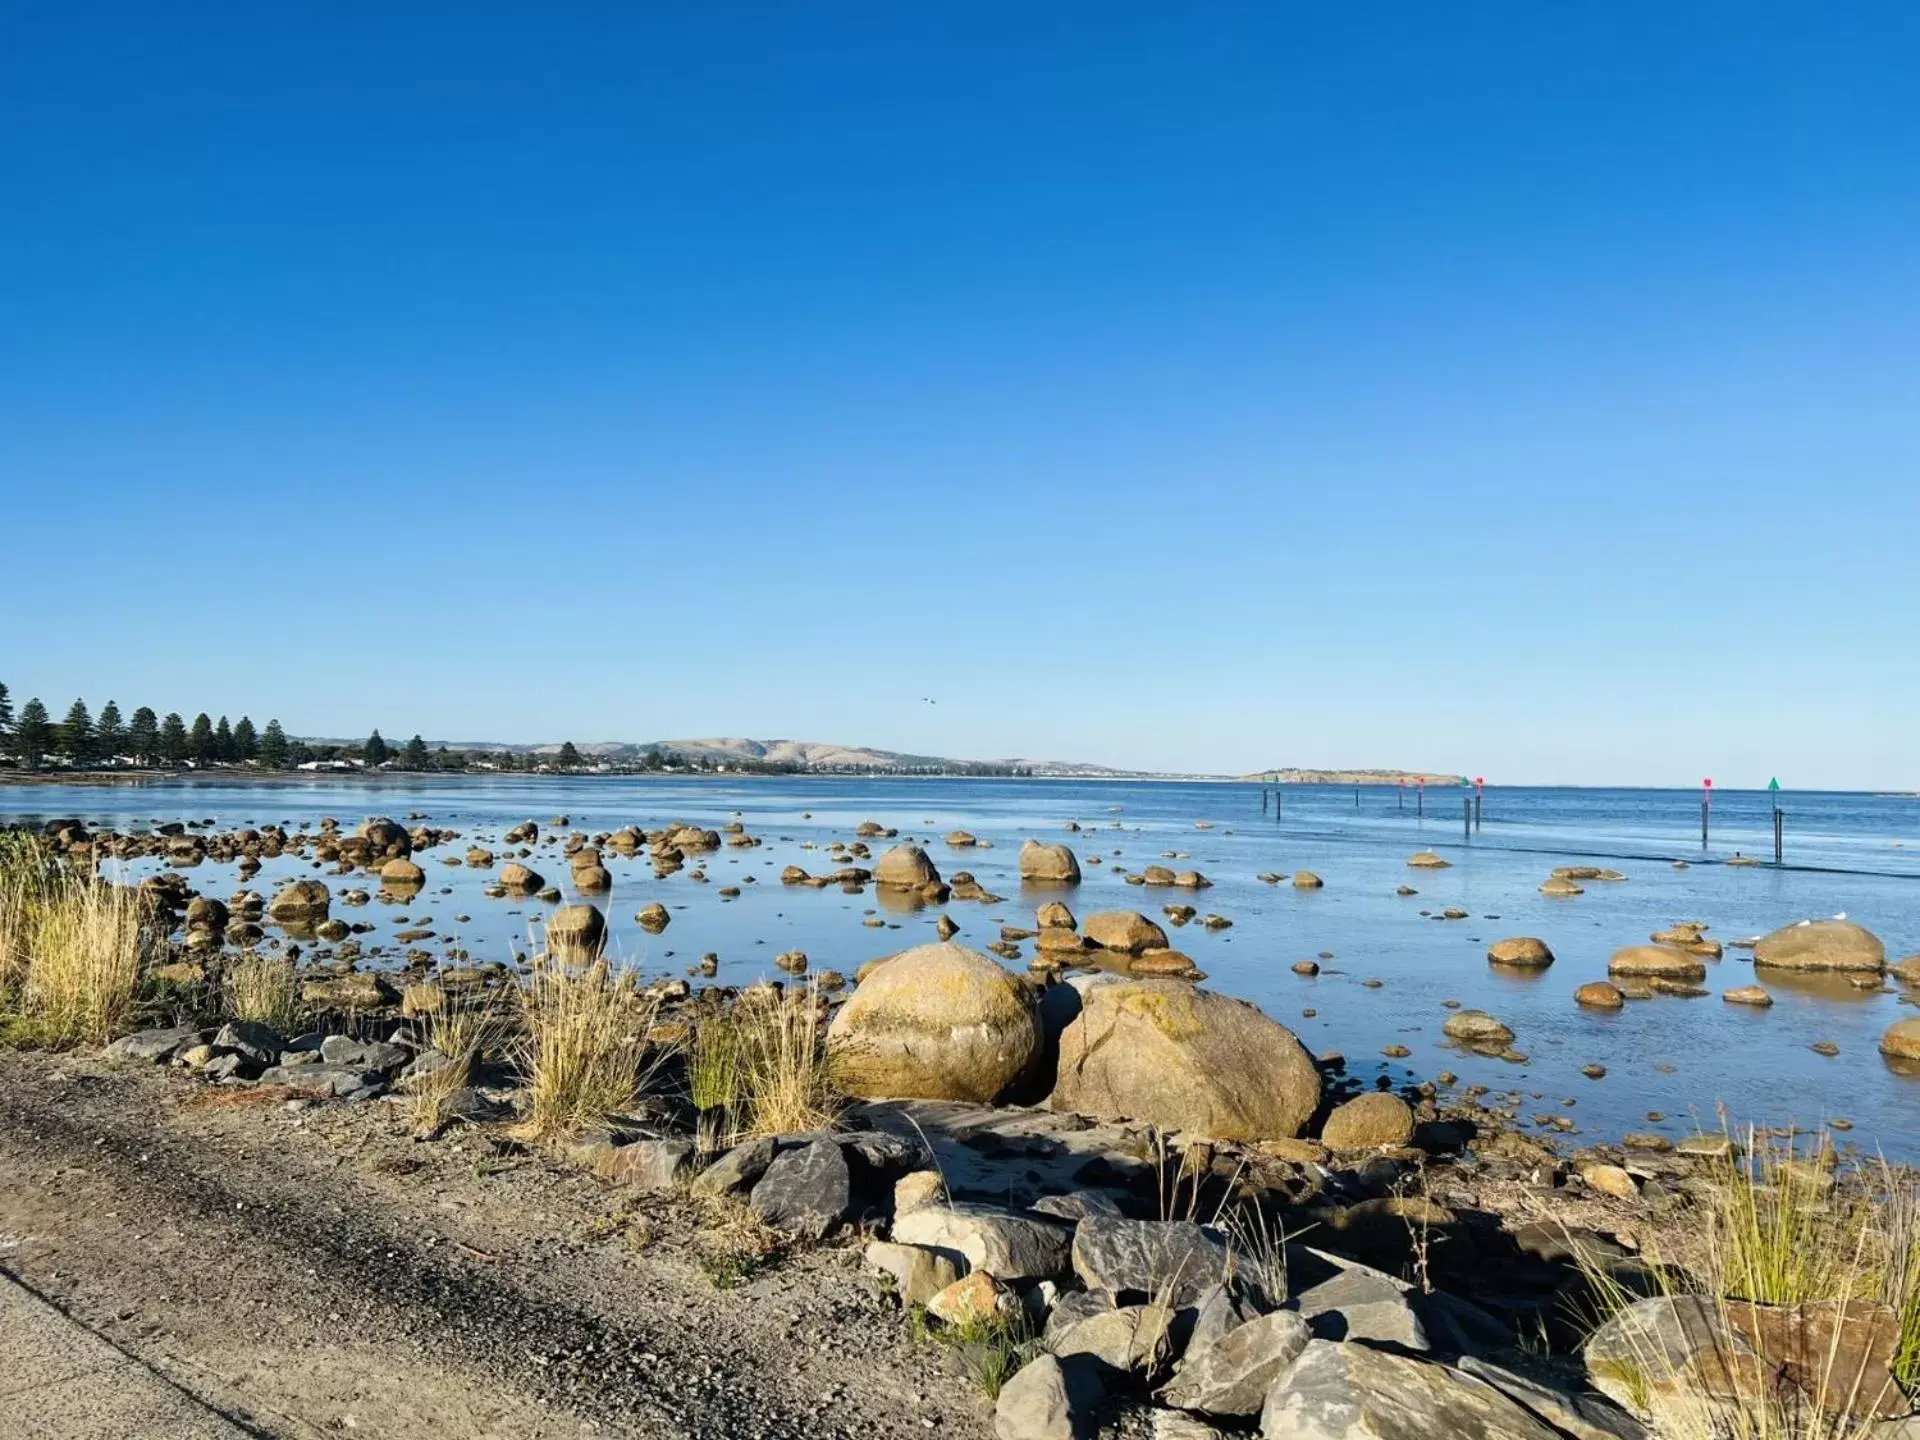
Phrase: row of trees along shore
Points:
(33, 740)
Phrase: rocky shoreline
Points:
(1130, 1201)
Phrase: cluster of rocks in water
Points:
(1116, 942)
(1675, 962)
(389, 854)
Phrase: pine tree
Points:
(200, 742)
(173, 738)
(76, 734)
(109, 735)
(415, 756)
(569, 757)
(273, 747)
(374, 752)
(32, 735)
(143, 735)
(246, 744)
(6, 713)
(223, 741)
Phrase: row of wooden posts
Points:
(1471, 810)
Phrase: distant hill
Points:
(819, 755)
(822, 757)
(1293, 776)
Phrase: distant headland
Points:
(1292, 776)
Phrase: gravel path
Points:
(316, 1272)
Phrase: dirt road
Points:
(315, 1272)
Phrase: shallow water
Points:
(1856, 854)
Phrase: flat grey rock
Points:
(1047, 1400)
(1069, 1309)
(156, 1046)
(231, 1066)
(1339, 1390)
(1584, 1417)
(735, 1171)
(249, 1039)
(1362, 1304)
(336, 1080)
(806, 1190)
(1005, 1245)
(1131, 1339)
(883, 1151)
(1148, 1257)
(1077, 1205)
(365, 1054)
(1179, 1425)
(1232, 1375)
(1221, 1309)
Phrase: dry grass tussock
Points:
(73, 950)
(1778, 1228)
(585, 1051)
(760, 1068)
(465, 1035)
(266, 991)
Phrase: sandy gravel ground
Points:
(317, 1273)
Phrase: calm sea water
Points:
(1846, 853)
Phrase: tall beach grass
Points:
(585, 1052)
(73, 949)
(464, 1034)
(760, 1067)
(265, 991)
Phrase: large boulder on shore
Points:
(1838, 945)
(1600, 995)
(1124, 930)
(1656, 962)
(1522, 952)
(906, 867)
(1902, 1040)
(1048, 864)
(1369, 1122)
(1161, 1052)
(402, 874)
(1477, 1030)
(1341, 1390)
(304, 902)
(938, 1022)
(386, 837)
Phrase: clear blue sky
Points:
(1529, 389)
